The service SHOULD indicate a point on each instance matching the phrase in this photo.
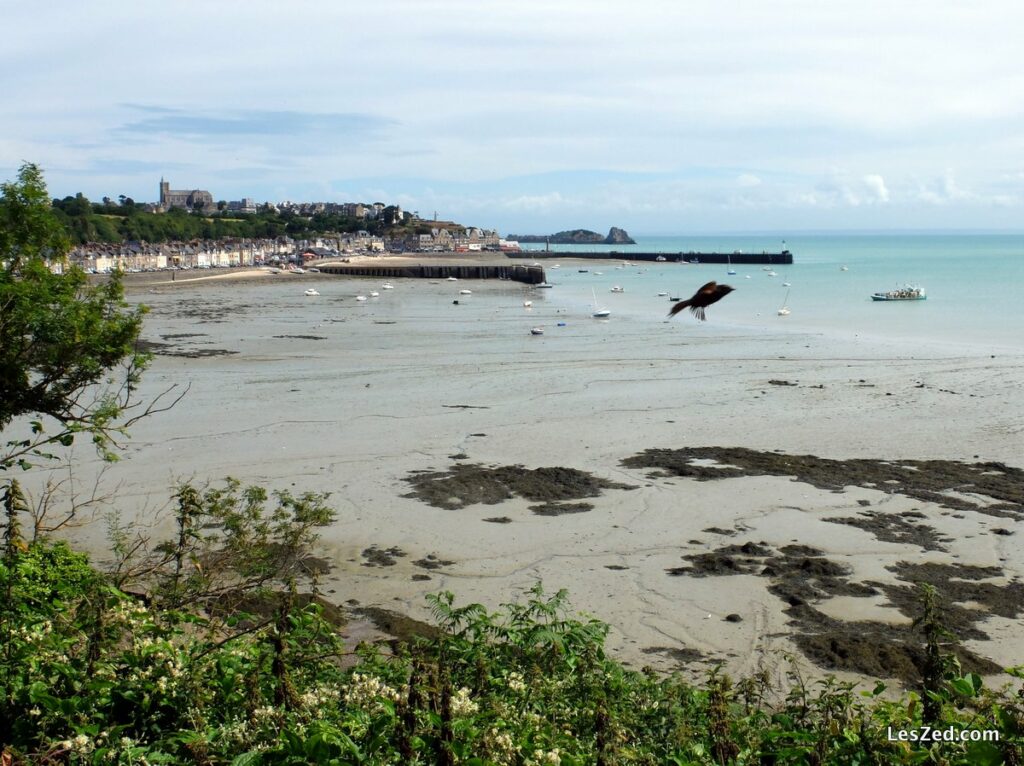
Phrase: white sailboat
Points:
(728, 261)
(599, 313)
(784, 310)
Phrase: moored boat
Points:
(905, 293)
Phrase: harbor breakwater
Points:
(783, 258)
(531, 275)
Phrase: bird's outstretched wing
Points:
(703, 297)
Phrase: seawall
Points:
(531, 275)
(777, 259)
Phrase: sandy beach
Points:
(723, 547)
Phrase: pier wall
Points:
(778, 259)
(531, 275)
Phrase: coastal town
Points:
(397, 231)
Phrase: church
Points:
(190, 199)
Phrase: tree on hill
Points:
(69, 360)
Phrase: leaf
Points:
(983, 754)
(247, 759)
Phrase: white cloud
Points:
(875, 186)
(747, 180)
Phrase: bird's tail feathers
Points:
(678, 307)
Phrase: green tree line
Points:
(125, 220)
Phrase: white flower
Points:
(462, 705)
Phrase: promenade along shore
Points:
(730, 491)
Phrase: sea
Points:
(974, 284)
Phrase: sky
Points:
(533, 116)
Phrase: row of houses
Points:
(197, 254)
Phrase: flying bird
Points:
(704, 297)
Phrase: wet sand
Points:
(489, 458)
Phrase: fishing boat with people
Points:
(905, 293)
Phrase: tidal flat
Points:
(726, 492)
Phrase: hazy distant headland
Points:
(615, 236)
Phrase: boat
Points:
(660, 258)
(360, 297)
(773, 274)
(599, 313)
(313, 270)
(543, 284)
(784, 310)
(387, 286)
(297, 270)
(374, 294)
(527, 304)
(537, 331)
(582, 271)
(662, 295)
(728, 261)
(598, 273)
(453, 279)
(617, 289)
(311, 291)
(465, 292)
(844, 268)
(905, 293)
(787, 284)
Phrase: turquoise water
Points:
(975, 284)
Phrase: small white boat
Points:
(731, 270)
(598, 273)
(599, 313)
(311, 291)
(387, 286)
(527, 304)
(543, 284)
(844, 268)
(297, 270)
(617, 289)
(747, 276)
(787, 284)
(784, 310)
(660, 258)
(360, 297)
(374, 294)
(465, 292)
(556, 266)
(453, 279)
(772, 274)
(537, 331)
(662, 295)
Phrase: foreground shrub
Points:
(91, 674)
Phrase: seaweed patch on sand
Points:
(896, 528)
(378, 557)
(949, 483)
(465, 484)
(167, 349)
(801, 576)
(559, 509)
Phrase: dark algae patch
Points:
(559, 509)
(893, 528)
(378, 557)
(802, 577)
(465, 484)
(932, 481)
